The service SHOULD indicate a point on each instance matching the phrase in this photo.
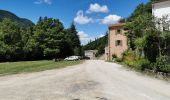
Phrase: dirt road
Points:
(92, 80)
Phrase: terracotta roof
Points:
(116, 25)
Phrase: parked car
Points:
(72, 58)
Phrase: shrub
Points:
(162, 64)
(118, 59)
(143, 64)
(129, 56)
(140, 64)
(131, 64)
(168, 68)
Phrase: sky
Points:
(91, 17)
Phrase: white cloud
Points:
(43, 1)
(110, 19)
(84, 37)
(81, 19)
(82, 34)
(101, 35)
(97, 8)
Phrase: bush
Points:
(168, 68)
(129, 56)
(143, 64)
(118, 59)
(162, 64)
(131, 64)
(140, 64)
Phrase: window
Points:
(118, 43)
(119, 31)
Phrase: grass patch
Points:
(33, 66)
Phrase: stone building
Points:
(117, 41)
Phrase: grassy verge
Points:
(32, 66)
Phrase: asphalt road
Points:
(92, 80)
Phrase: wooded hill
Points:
(23, 21)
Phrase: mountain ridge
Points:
(22, 21)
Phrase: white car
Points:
(72, 58)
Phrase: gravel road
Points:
(92, 80)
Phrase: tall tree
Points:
(74, 39)
(49, 36)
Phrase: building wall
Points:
(161, 9)
(113, 37)
(91, 54)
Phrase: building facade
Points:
(91, 53)
(117, 41)
(161, 8)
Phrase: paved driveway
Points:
(92, 80)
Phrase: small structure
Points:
(91, 53)
(161, 8)
(117, 41)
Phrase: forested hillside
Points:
(98, 44)
(47, 39)
(22, 21)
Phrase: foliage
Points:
(73, 39)
(136, 63)
(140, 44)
(118, 59)
(149, 39)
(143, 64)
(47, 39)
(11, 39)
(72, 34)
(162, 64)
(49, 36)
(129, 56)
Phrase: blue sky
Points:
(90, 16)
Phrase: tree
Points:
(11, 40)
(51, 39)
(28, 43)
(72, 34)
(139, 24)
(46, 40)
